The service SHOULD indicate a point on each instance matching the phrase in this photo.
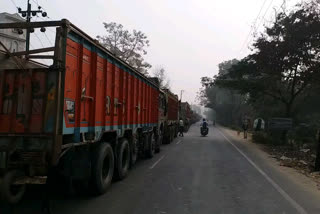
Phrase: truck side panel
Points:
(110, 96)
(173, 107)
(130, 108)
(100, 93)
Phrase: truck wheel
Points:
(134, 151)
(123, 161)
(151, 145)
(166, 139)
(175, 132)
(12, 193)
(158, 143)
(102, 168)
(171, 135)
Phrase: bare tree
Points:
(161, 74)
(129, 47)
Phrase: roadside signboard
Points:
(278, 123)
(258, 124)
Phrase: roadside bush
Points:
(276, 138)
(234, 127)
(302, 135)
(260, 137)
(273, 138)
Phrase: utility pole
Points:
(28, 14)
(28, 29)
(181, 95)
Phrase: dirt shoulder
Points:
(293, 169)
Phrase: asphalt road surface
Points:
(192, 175)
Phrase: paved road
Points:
(193, 175)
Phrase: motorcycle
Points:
(204, 131)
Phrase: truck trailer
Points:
(168, 115)
(87, 116)
(185, 115)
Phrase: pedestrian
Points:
(181, 127)
(245, 126)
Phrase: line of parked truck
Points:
(87, 117)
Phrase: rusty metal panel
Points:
(26, 98)
(173, 106)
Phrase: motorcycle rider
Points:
(204, 124)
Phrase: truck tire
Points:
(11, 193)
(151, 145)
(102, 168)
(134, 151)
(171, 134)
(175, 132)
(166, 139)
(123, 159)
(158, 143)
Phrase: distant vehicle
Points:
(186, 115)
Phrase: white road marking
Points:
(298, 207)
(157, 162)
(178, 142)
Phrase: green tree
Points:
(286, 60)
(230, 106)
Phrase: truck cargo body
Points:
(185, 114)
(169, 115)
(64, 116)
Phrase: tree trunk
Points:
(288, 109)
(288, 115)
(317, 163)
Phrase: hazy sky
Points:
(187, 37)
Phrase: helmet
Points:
(203, 119)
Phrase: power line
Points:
(261, 20)
(39, 39)
(39, 60)
(265, 13)
(14, 4)
(35, 2)
(48, 38)
(48, 28)
(255, 21)
(44, 9)
(263, 17)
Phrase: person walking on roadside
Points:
(245, 127)
(181, 127)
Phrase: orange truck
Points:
(168, 116)
(185, 114)
(87, 116)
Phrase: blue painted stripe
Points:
(71, 130)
